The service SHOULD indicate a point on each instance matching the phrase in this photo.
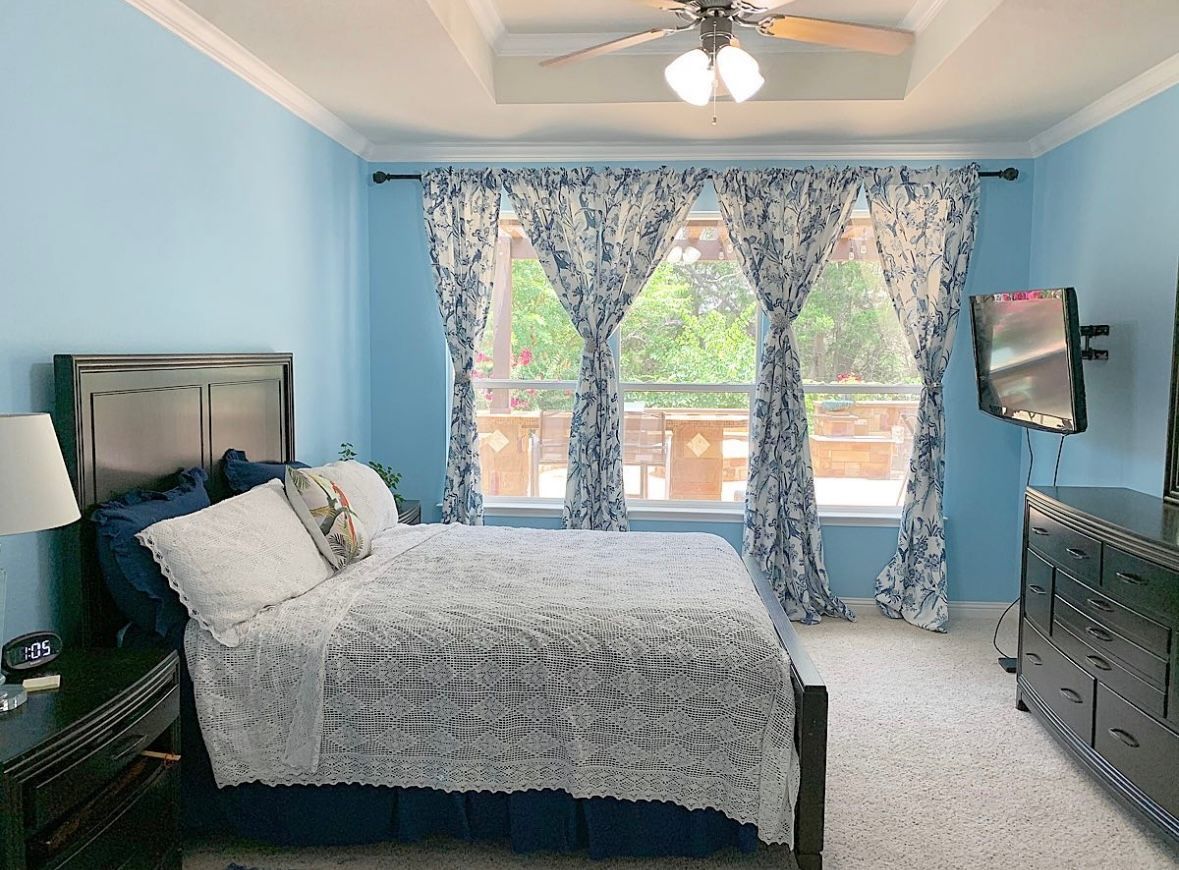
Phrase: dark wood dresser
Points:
(88, 772)
(1099, 637)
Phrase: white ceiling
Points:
(440, 79)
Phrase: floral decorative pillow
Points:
(326, 512)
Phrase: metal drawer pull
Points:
(1034, 658)
(1099, 663)
(1132, 579)
(1036, 530)
(1098, 604)
(1077, 553)
(1099, 633)
(1125, 736)
(1039, 590)
(1071, 695)
(126, 745)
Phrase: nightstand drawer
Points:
(1064, 687)
(132, 829)
(1142, 749)
(1077, 553)
(92, 764)
(1139, 583)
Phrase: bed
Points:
(132, 421)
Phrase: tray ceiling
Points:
(434, 79)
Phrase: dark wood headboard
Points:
(133, 421)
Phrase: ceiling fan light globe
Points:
(739, 71)
(690, 75)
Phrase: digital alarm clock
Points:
(30, 651)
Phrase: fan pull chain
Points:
(715, 88)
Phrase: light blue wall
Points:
(1106, 222)
(152, 201)
(410, 387)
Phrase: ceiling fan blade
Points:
(607, 47)
(771, 6)
(858, 37)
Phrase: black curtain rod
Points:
(1008, 174)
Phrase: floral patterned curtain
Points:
(924, 221)
(599, 234)
(462, 225)
(784, 224)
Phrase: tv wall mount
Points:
(1090, 332)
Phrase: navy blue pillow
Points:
(131, 574)
(243, 475)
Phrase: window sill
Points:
(694, 512)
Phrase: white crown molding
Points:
(922, 15)
(958, 609)
(523, 151)
(486, 15)
(1139, 89)
(174, 16)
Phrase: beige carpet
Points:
(930, 766)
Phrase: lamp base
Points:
(12, 696)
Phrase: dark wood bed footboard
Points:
(810, 729)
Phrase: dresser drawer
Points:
(1069, 636)
(1139, 747)
(95, 763)
(1133, 626)
(1063, 686)
(1150, 587)
(1079, 554)
(1142, 663)
(1037, 592)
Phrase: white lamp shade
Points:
(35, 490)
(739, 70)
(691, 76)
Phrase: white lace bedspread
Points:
(635, 666)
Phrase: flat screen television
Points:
(1027, 357)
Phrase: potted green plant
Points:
(387, 474)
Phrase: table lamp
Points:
(35, 494)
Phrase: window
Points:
(688, 363)
(526, 370)
(687, 354)
(861, 383)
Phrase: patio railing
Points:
(691, 443)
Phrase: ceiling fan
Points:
(720, 65)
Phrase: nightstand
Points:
(409, 512)
(88, 776)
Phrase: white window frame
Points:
(701, 511)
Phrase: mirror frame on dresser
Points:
(1171, 481)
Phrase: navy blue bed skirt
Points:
(548, 821)
(538, 821)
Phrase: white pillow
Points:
(367, 493)
(231, 560)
